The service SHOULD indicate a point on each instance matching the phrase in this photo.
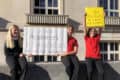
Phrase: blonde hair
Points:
(9, 40)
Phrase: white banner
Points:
(44, 40)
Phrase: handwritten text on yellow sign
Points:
(94, 17)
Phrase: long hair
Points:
(9, 40)
(88, 32)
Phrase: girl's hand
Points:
(30, 55)
(21, 55)
(56, 54)
(64, 54)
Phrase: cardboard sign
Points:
(44, 40)
(94, 17)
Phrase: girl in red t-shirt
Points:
(93, 58)
(69, 58)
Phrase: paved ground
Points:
(57, 72)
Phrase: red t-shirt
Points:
(92, 47)
(72, 42)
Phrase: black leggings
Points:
(97, 63)
(18, 67)
(71, 63)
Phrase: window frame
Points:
(111, 52)
(108, 10)
(47, 8)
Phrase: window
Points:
(46, 58)
(38, 58)
(110, 6)
(110, 51)
(46, 7)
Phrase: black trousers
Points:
(94, 64)
(71, 63)
(18, 67)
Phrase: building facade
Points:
(59, 13)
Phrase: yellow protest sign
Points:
(94, 17)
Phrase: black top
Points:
(13, 51)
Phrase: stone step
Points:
(56, 71)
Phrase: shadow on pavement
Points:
(109, 72)
(4, 77)
(36, 72)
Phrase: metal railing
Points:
(46, 19)
(112, 20)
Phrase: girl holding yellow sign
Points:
(93, 57)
